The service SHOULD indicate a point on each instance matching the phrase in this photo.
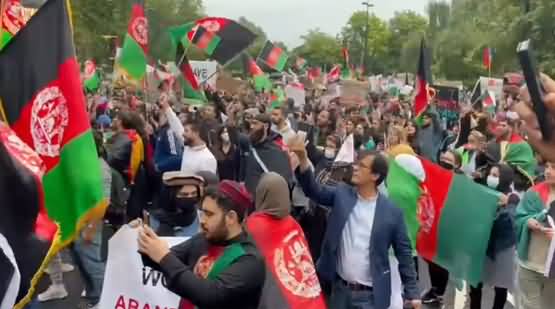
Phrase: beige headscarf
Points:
(272, 196)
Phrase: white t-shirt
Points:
(199, 158)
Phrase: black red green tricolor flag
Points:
(206, 40)
(189, 83)
(273, 56)
(43, 102)
(261, 81)
(423, 81)
(233, 37)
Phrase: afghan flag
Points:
(91, 77)
(334, 75)
(261, 80)
(179, 34)
(13, 19)
(488, 58)
(532, 206)
(43, 102)
(206, 40)
(346, 72)
(300, 64)
(133, 57)
(21, 197)
(291, 280)
(448, 214)
(273, 56)
(189, 83)
(234, 38)
(423, 80)
(488, 102)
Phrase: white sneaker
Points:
(53, 292)
(66, 268)
(84, 293)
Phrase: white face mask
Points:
(329, 153)
(493, 181)
(225, 137)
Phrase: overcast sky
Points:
(287, 20)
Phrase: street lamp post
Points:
(365, 53)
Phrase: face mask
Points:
(446, 166)
(329, 153)
(225, 137)
(185, 203)
(493, 182)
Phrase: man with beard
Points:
(264, 151)
(279, 120)
(218, 268)
(196, 155)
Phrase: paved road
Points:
(454, 299)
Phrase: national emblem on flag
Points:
(133, 57)
(91, 77)
(42, 101)
(206, 40)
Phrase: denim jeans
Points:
(187, 231)
(342, 297)
(88, 257)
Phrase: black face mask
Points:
(186, 203)
(446, 166)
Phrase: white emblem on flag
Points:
(49, 118)
(294, 267)
(140, 30)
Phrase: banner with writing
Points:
(205, 72)
(447, 100)
(127, 283)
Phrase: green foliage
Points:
(97, 23)
(319, 49)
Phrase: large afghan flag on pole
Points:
(273, 56)
(133, 57)
(42, 100)
(449, 216)
(423, 81)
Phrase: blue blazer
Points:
(388, 231)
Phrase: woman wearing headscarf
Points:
(499, 268)
(291, 280)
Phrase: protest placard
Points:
(205, 71)
(297, 94)
(127, 283)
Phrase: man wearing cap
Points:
(178, 213)
(218, 268)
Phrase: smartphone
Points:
(528, 64)
(146, 218)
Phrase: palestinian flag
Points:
(206, 40)
(133, 57)
(262, 82)
(234, 38)
(189, 83)
(346, 72)
(423, 80)
(13, 19)
(334, 75)
(291, 280)
(273, 56)
(91, 77)
(451, 218)
(43, 102)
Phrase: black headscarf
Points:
(506, 178)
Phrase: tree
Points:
(353, 36)
(407, 28)
(319, 49)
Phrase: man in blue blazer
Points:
(362, 227)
